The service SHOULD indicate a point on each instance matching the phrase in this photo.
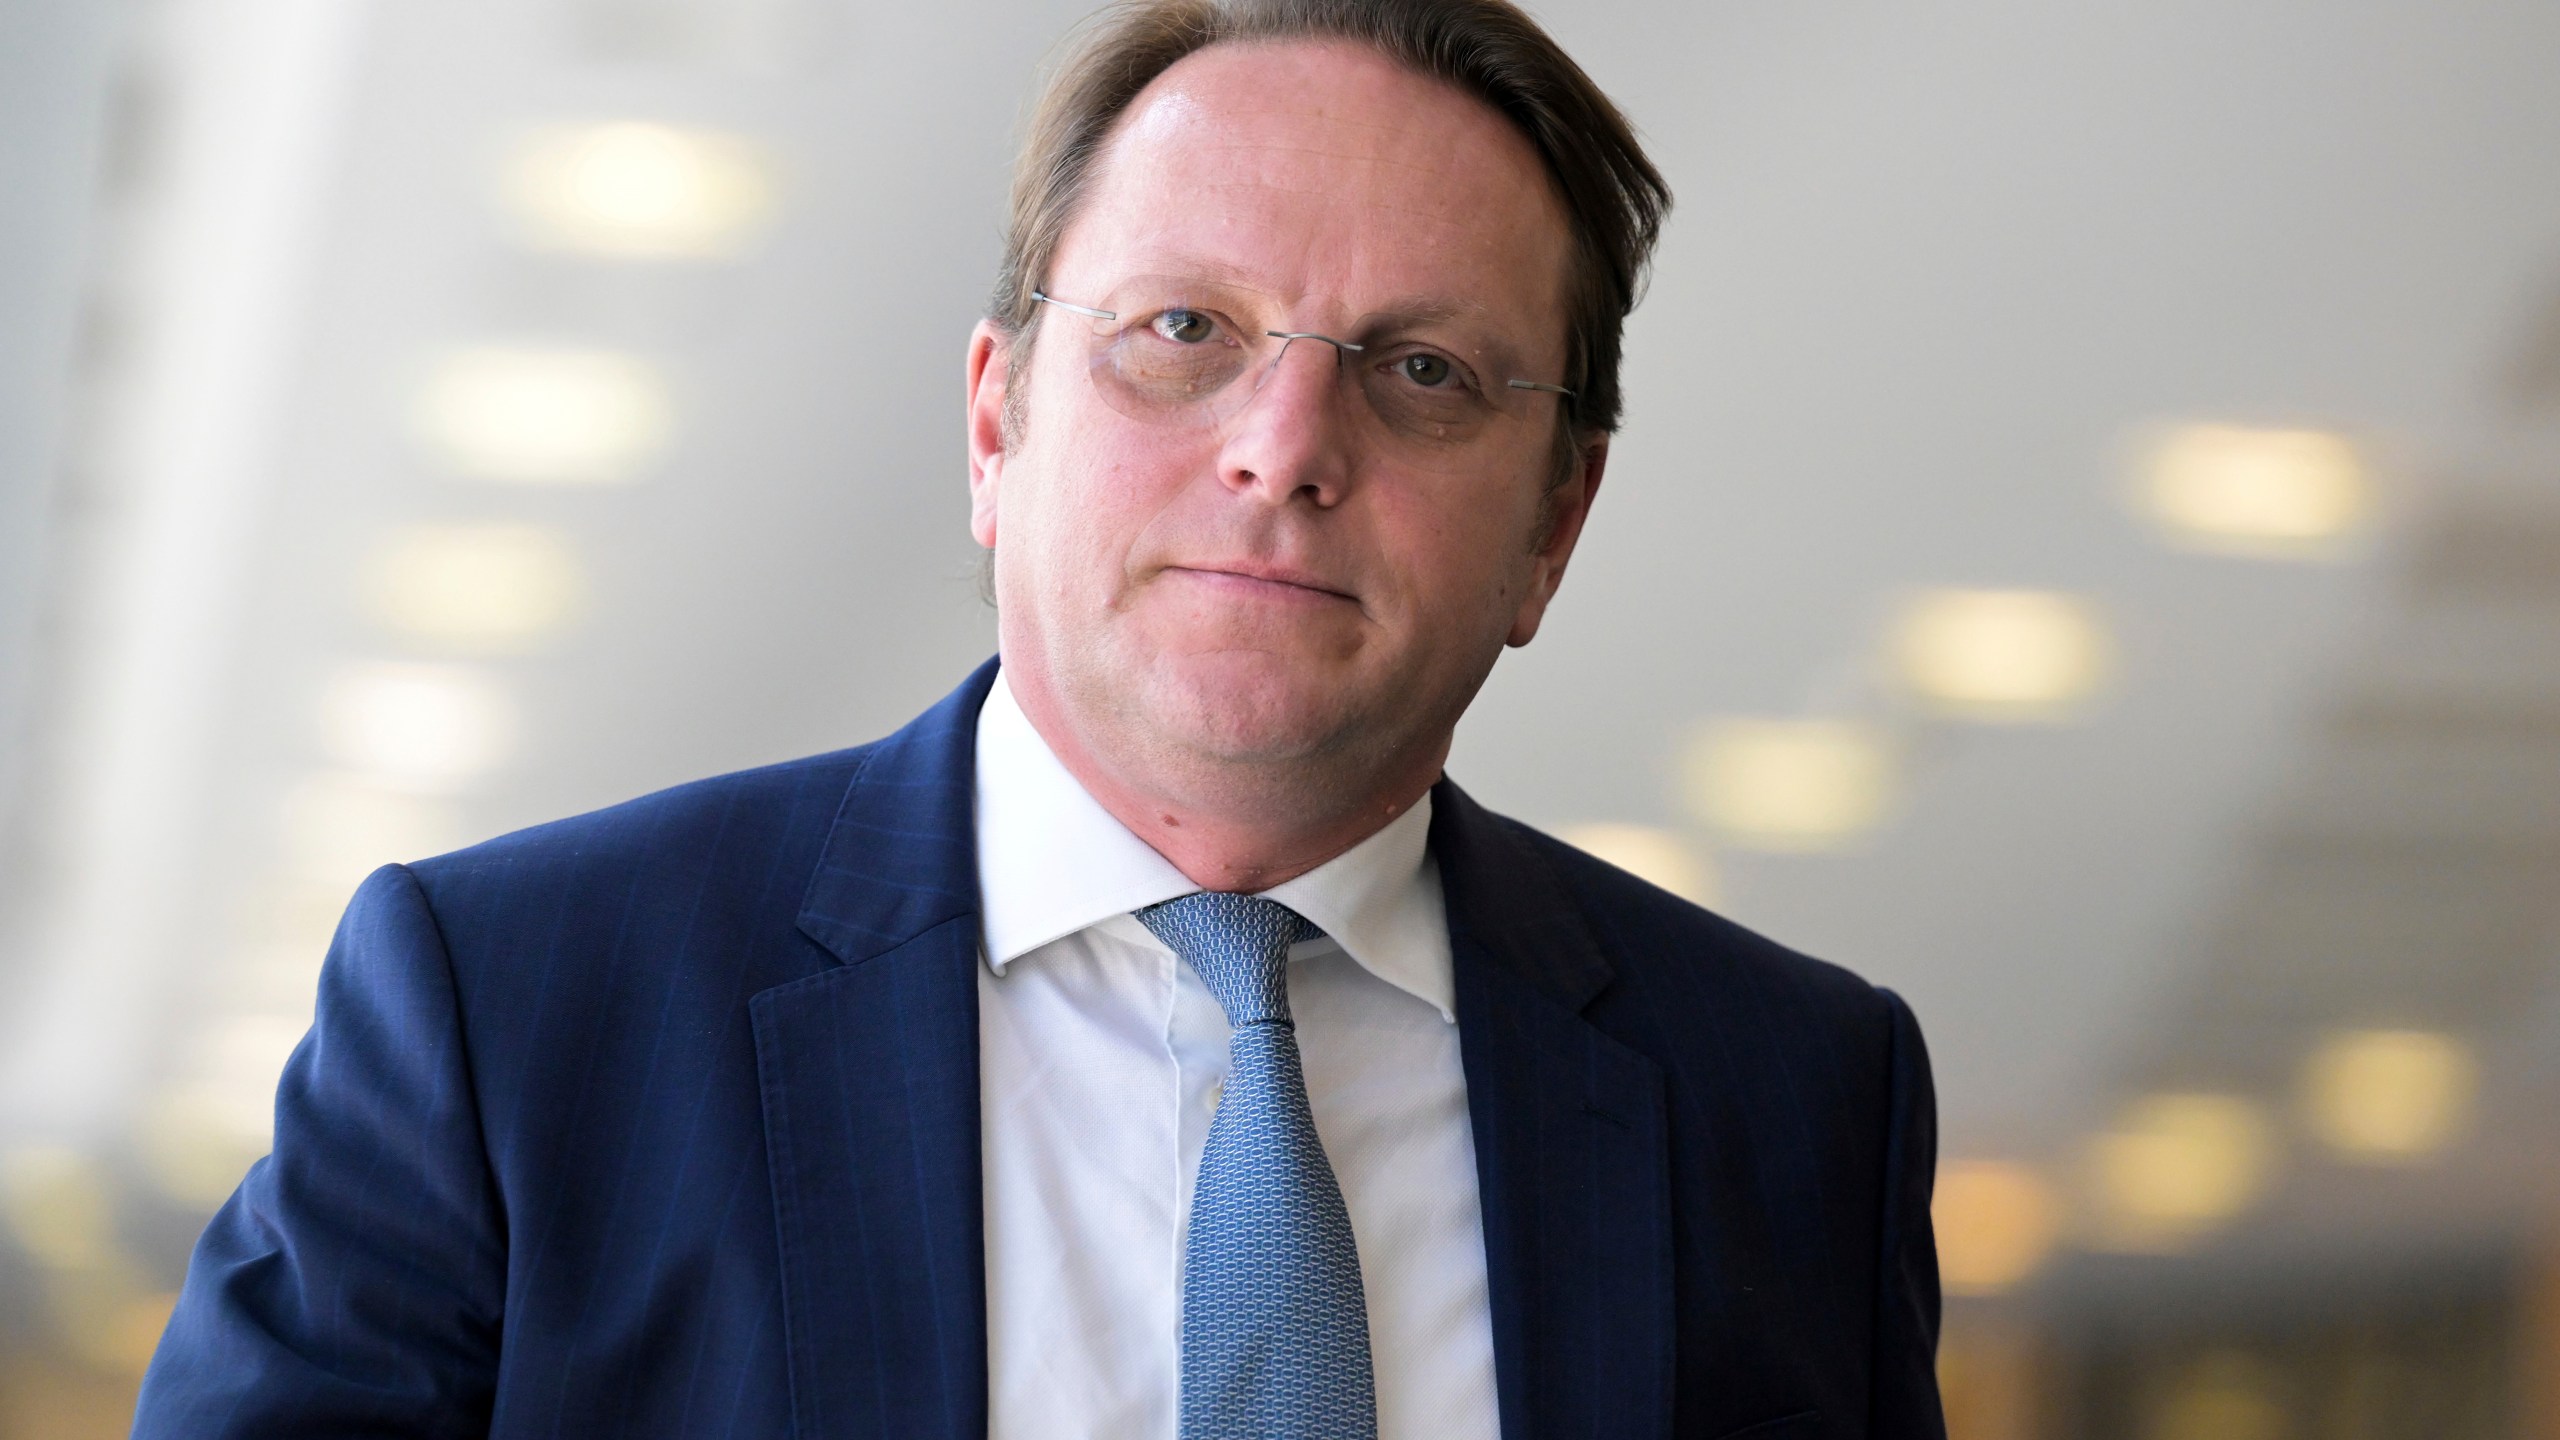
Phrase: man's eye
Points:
(1426, 369)
(1188, 327)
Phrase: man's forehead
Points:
(1324, 104)
(1343, 81)
(1290, 168)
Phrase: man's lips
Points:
(1274, 581)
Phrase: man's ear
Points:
(1565, 511)
(990, 355)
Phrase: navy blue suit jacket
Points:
(664, 1121)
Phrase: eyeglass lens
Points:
(1191, 354)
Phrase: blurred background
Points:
(2085, 552)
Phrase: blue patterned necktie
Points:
(1275, 1330)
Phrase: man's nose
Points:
(1291, 437)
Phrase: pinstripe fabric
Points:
(1775, 1108)
(661, 1122)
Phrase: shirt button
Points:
(1217, 1087)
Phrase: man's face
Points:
(1280, 576)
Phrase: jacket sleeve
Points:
(1904, 1401)
(353, 1284)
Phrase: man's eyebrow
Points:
(1403, 312)
(1420, 311)
(1432, 307)
(1417, 311)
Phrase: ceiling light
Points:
(545, 415)
(2177, 1165)
(637, 190)
(422, 727)
(487, 588)
(2000, 654)
(2389, 1095)
(2257, 491)
(340, 828)
(1789, 784)
(1656, 856)
(1995, 1224)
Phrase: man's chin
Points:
(1247, 709)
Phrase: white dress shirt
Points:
(1100, 1062)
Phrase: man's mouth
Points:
(1277, 581)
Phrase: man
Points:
(1146, 1041)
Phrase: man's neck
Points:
(1246, 830)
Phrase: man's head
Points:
(1235, 571)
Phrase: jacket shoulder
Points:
(742, 819)
(1650, 934)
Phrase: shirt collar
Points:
(1052, 861)
(1380, 901)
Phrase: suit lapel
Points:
(869, 1076)
(1571, 1148)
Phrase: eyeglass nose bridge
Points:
(1286, 337)
(1291, 336)
(1339, 346)
(1263, 376)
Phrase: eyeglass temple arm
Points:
(1079, 309)
(1541, 385)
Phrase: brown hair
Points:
(1613, 197)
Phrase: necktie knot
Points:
(1239, 947)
